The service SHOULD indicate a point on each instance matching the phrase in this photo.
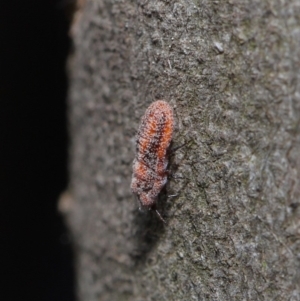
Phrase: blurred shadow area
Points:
(36, 258)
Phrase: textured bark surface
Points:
(230, 70)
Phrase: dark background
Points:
(35, 253)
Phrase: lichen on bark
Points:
(230, 71)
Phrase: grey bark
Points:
(230, 70)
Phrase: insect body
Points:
(150, 164)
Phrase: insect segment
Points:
(150, 164)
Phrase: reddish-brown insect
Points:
(150, 164)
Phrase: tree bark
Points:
(230, 70)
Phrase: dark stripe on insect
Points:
(152, 148)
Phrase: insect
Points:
(151, 161)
